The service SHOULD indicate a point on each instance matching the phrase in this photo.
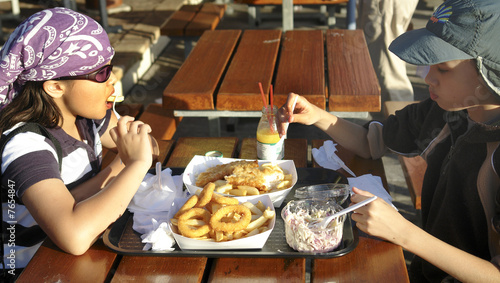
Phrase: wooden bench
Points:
(190, 21)
(413, 167)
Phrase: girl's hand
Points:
(304, 112)
(378, 218)
(132, 140)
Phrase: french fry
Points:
(256, 224)
(252, 233)
(252, 191)
(269, 214)
(224, 188)
(253, 208)
(237, 192)
(219, 236)
(195, 222)
(261, 206)
(283, 185)
(220, 183)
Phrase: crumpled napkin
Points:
(151, 204)
(326, 157)
(159, 238)
(372, 184)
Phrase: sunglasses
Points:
(100, 76)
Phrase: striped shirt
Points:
(29, 158)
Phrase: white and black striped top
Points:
(29, 158)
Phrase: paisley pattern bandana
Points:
(52, 43)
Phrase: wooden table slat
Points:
(51, 264)
(160, 269)
(176, 25)
(202, 22)
(259, 270)
(187, 147)
(205, 66)
(216, 9)
(352, 82)
(295, 149)
(353, 266)
(253, 62)
(301, 67)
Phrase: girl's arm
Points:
(380, 219)
(74, 226)
(350, 135)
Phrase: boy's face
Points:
(457, 85)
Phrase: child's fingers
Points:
(361, 192)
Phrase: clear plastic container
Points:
(301, 232)
(336, 192)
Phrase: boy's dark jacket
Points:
(461, 182)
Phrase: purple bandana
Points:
(50, 44)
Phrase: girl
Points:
(457, 131)
(55, 72)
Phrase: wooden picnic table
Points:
(221, 76)
(371, 260)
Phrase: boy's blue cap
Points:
(457, 30)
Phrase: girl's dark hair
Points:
(33, 104)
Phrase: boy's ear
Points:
(54, 88)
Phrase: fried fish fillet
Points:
(264, 178)
(218, 172)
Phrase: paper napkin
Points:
(372, 184)
(326, 157)
(159, 238)
(150, 201)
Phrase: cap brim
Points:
(422, 47)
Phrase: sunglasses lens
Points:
(103, 74)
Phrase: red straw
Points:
(272, 105)
(263, 95)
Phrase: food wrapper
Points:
(253, 242)
(200, 164)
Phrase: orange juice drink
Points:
(269, 144)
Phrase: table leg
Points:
(287, 11)
(103, 11)
(214, 126)
(253, 16)
(351, 15)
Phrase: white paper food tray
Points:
(252, 242)
(200, 164)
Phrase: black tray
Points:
(122, 239)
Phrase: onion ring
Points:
(190, 203)
(224, 200)
(218, 225)
(187, 230)
(206, 195)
